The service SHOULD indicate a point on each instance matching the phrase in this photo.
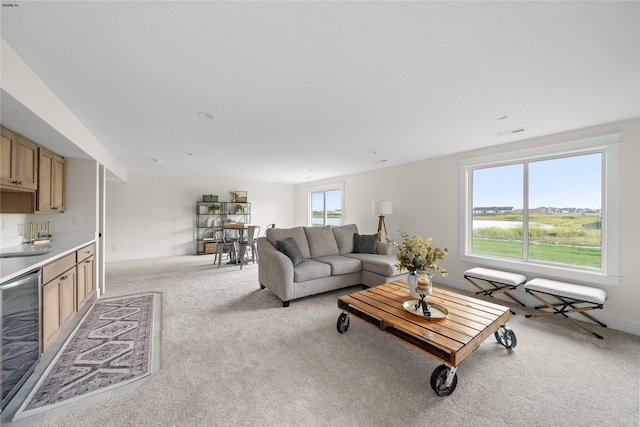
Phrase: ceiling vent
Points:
(510, 132)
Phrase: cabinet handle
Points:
(17, 182)
(87, 262)
(64, 277)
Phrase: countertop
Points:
(43, 254)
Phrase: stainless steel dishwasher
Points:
(20, 319)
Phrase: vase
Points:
(412, 281)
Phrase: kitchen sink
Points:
(23, 254)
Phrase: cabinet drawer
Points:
(86, 252)
(51, 271)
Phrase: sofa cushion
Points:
(321, 241)
(341, 264)
(297, 233)
(379, 264)
(311, 269)
(344, 237)
(364, 243)
(290, 248)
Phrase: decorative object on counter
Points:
(111, 347)
(238, 196)
(419, 258)
(39, 233)
(209, 198)
(381, 209)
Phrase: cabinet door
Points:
(51, 181)
(7, 158)
(68, 296)
(27, 163)
(57, 189)
(85, 281)
(51, 321)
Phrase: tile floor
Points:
(9, 412)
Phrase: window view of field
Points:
(566, 238)
(556, 233)
(326, 208)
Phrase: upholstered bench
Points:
(502, 282)
(573, 299)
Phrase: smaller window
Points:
(326, 207)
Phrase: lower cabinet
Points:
(86, 284)
(58, 305)
(51, 320)
(68, 284)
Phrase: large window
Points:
(553, 208)
(326, 207)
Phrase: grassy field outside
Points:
(573, 239)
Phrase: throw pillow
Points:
(364, 243)
(290, 248)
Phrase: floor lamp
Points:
(381, 209)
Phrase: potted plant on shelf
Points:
(215, 209)
(234, 196)
(420, 259)
(239, 209)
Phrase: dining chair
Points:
(223, 245)
(251, 242)
(268, 227)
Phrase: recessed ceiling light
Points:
(381, 161)
(156, 160)
(186, 153)
(206, 116)
(181, 170)
(500, 117)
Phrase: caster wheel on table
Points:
(439, 380)
(343, 323)
(506, 337)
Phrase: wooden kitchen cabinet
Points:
(86, 283)
(58, 306)
(51, 320)
(19, 161)
(51, 181)
(58, 297)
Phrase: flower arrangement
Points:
(416, 255)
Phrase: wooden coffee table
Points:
(451, 339)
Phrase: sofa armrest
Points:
(275, 270)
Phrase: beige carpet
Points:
(232, 356)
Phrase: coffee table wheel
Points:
(343, 323)
(439, 381)
(506, 337)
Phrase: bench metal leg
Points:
(563, 310)
(498, 288)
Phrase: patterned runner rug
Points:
(111, 347)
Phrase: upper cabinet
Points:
(32, 178)
(19, 162)
(51, 182)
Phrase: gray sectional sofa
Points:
(302, 261)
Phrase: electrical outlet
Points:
(77, 221)
(115, 247)
(4, 223)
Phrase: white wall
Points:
(426, 200)
(154, 215)
(80, 214)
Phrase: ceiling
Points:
(302, 91)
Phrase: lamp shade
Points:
(382, 208)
